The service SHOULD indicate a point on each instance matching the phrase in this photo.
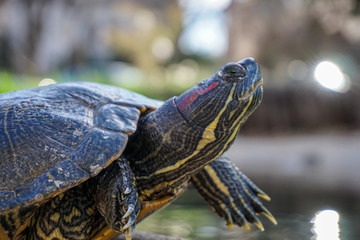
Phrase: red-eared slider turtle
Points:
(87, 161)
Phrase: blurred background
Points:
(302, 145)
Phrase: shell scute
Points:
(118, 118)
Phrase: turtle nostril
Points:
(252, 68)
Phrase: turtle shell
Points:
(55, 137)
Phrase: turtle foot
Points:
(232, 195)
(117, 198)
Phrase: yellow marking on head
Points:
(207, 137)
(233, 134)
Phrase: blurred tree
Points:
(41, 36)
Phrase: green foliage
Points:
(11, 82)
(160, 83)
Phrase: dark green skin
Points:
(65, 137)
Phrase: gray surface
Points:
(146, 236)
(323, 161)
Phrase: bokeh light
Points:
(121, 72)
(205, 31)
(329, 75)
(206, 35)
(162, 48)
(326, 225)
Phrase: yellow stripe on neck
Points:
(239, 123)
(207, 137)
(164, 184)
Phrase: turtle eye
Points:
(234, 70)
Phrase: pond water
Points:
(306, 215)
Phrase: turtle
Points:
(82, 160)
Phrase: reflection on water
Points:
(189, 218)
(326, 225)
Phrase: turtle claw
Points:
(258, 223)
(130, 222)
(132, 206)
(229, 225)
(129, 210)
(246, 226)
(263, 196)
(228, 218)
(127, 191)
(269, 216)
(247, 202)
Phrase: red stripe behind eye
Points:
(190, 97)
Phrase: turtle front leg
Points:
(116, 196)
(231, 194)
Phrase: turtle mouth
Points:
(255, 90)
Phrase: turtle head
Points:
(225, 99)
(187, 132)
